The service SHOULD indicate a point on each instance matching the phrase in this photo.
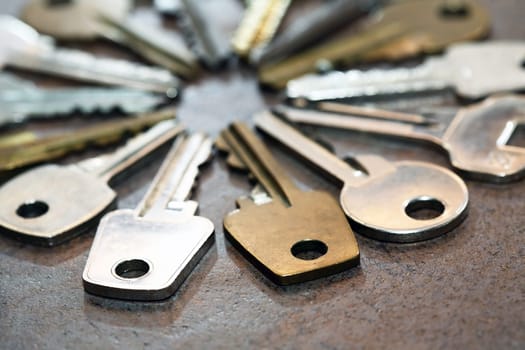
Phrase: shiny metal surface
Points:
(290, 235)
(50, 204)
(163, 233)
(378, 195)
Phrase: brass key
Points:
(293, 237)
(259, 24)
(22, 149)
(420, 26)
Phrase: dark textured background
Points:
(463, 290)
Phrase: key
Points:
(259, 25)
(402, 201)
(147, 253)
(50, 204)
(312, 28)
(90, 19)
(22, 47)
(26, 148)
(293, 236)
(21, 100)
(205, 38)
(424, 26)
(460, 69)
(475, 137)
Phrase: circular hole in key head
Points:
(454, 9)
(32, 209)
(424, 208)
(309, 249)
(132, 268)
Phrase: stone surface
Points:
(463, 290)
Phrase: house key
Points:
(475, 137)
(146, 253)
(384, 200)
(294, 236)
(50, 204)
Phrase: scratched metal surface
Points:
(463, 290)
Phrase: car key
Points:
(311, 28)
(50, 204)
(259, 25)
(460, 69)
(21, 100)
(428, 26)
(146, 253)
(403, 201)
(295, 236)
(22, 47)
(90, 19)
(475, 137)
(26, 148)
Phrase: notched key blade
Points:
(308, 240)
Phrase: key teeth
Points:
(231, 160)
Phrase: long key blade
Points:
(259, 24)
(19, 153)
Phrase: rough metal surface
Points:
(463, 290)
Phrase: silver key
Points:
(23, 47)
(146, 253)
(476, 137)
(21, 99)
(472, 70)
(90, 19)
(383, 200)
(50, 204)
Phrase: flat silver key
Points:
(476, 137)
(50, 204)
(472, 70)
(90, 19)
(23, 47)
(146, 253)
(383, 200)
(21, 100)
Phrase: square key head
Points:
(139, 258)
(297, 243)
(50, 204)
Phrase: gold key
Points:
(294, 236)
(24, 148)
(259, 25)
(400, 30)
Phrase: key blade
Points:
(173, 184)
(21, 153)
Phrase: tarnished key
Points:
(206, 39)
(21, 99)
(475, 137)
(22, 47)
(294, 236)
(146, 253)
(403, 201)
(424, 26)
(472, 70)
(89, 19)
(259, 24)
(50, 204)
(313, 27)
(25, 148)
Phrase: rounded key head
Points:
(405, 201)
(141, 259)
(73, 19)
(50, 204)
(478, 136)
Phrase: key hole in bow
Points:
(134, 268)
(517, 138)
(454, 9)
(32, 209)
(309, 249)
(424, 208)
